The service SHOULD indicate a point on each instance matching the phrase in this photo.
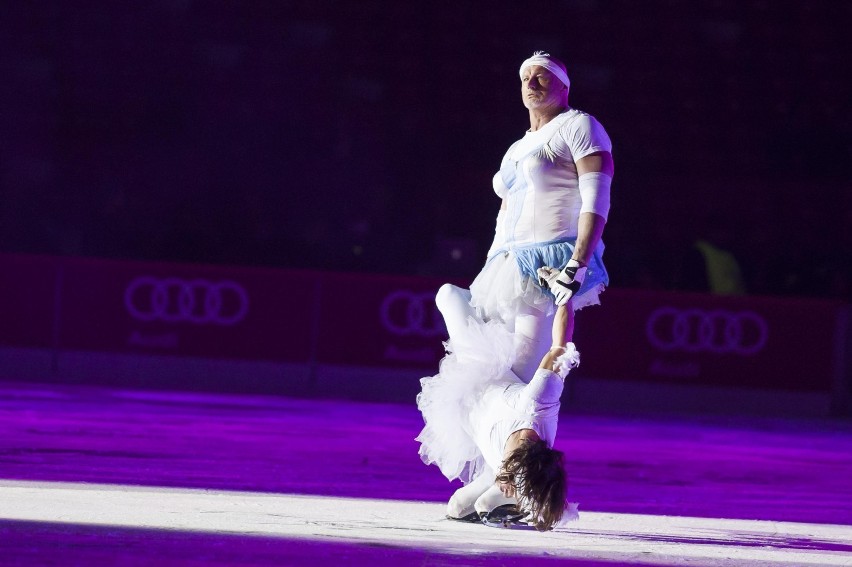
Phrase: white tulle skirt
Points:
(481, 360)
(502, 290)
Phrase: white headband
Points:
(542, 59)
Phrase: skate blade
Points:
(472, 518)
(507, 517)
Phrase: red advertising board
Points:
(690, 338)
(27, 300)
(186, 309)
(381, 321)
(392, 321)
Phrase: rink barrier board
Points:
(692, 338)
(390, 322)
(28, 289)
(185, 310)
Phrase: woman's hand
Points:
(505, 483)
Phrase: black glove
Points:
(563, 284)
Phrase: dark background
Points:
(362, 136)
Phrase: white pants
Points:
(533, 331)
(480, 496)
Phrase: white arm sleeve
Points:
(594, 191)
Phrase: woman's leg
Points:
(491, 499)
(454, 304)
(463, 501)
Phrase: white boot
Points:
(490, 499)
(462, 502)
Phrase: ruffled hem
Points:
(590, 297)
(500, 290)
(567, 361)
(508, 281)
(571, 514)
(446, 399)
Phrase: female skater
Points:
(487, 427)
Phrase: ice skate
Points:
(506, 516)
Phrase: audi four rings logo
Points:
(189, 301)
(718, 331)
(407, 313)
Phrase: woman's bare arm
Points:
(563, 328)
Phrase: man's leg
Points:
(534, 337)
(548, 381)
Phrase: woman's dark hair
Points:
(540, 481)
